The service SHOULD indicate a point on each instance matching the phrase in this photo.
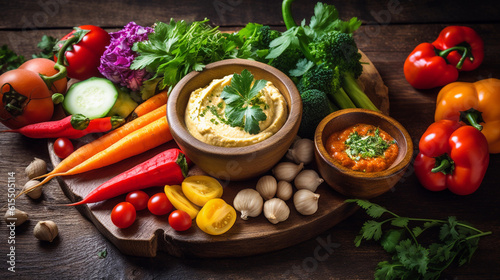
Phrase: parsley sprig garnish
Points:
(368, 146)
(243, 107)
(457, 242)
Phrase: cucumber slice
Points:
(97, 98)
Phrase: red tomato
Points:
(45, 67)
(139, 199)
(63, 147)
(123, 215)
(180, 220)
(84, 58)
(159, 204)
(25, 99)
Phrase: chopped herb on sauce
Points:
(368, 146)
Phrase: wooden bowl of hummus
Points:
(197, 112)
(362, 153)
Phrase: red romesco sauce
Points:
(363, 147)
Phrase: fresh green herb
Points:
(9, 60)
(174, 49)
(243, 108)
(103, 254)
(46, 45)
(457, 242)
(367, 146)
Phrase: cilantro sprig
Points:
(368, 146)
(243, 107)
(457, 242)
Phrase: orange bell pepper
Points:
(475, 104)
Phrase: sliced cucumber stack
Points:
(97, 98)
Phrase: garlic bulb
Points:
(306, 202)
(284, 191)
(34, 193)
(267, 186)
(46, 230)
(249, 203)
(308, 179)
(302, 151)
(36, 168)
(17, 216)
(276, 210)
(286, 171)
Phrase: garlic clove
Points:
(308, 179)
(17, 216)
(276, 210)
(36, 168)
(306, 202)
(249, 203)
(302, 151)
(286, 171)
(267, 187)
(284, 191)
(46, 231)
(35, 193)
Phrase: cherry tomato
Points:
(84, 58)
(159, 204)
(25, 99)
(123, 215)
(180, 220)
(216, 217)
(45, 67)
(63, 147)
(139, 199)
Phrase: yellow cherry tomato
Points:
(216, 217)
(200, 189)
(180, 201)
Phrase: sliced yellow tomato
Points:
(216, 217)
(200, 189)
(180, 201)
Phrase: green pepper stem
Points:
(444, 164)
(116, 121)
(286, 8)
(465, 54)
(79, 121)
(59, 66)
(472, 117)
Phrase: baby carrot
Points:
(155, 101)
(168, 167)
(139, 141)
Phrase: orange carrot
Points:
(139, 141)
(90, 149)
(155, 101)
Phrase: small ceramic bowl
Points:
(234, 163)
(358, 184)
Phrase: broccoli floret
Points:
(265, 36)
(327, 80)
(287, 60)
(316, 106)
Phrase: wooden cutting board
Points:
(150, 233)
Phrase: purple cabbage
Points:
(118, 56)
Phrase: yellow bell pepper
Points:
(476, 104)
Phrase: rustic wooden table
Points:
(391, 30)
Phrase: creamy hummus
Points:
(205, 116)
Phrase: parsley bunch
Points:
(456, 243)
(367, 146)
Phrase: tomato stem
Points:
(59, 66)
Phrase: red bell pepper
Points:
(85, 56)
(453, 157)
(468, 47)
(457, 48)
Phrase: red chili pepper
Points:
(71, 127)
(426, 68)
(453, 157)
(468, 47)
(167, 168)
(85, 56)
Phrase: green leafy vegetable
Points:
(9, 60)
(46, 45)
(243, 107)
(367, 146)
(456, 242)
